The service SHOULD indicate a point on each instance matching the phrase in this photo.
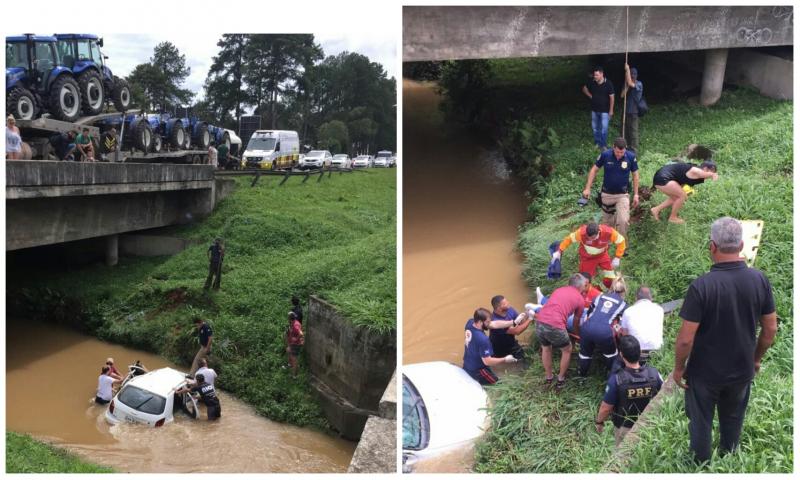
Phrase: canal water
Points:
(461, 211)
(51, 378)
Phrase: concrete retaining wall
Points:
(351, 366)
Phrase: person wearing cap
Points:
(216, 253)
(628, 391)
(634, 86)
(619, 165)
(295, 339)
(13, 139)
(670, 180)
(593, 242)
(207, 393)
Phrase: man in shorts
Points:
(83, 142)
(551, 326)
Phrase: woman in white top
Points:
(13, 139)
(105, 384)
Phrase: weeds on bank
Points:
(536, 431)
(26, 455)
(335, 239)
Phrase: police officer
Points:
(628, 391)
(207, 393)
(216, 253)
(598, 330)
(619, 165)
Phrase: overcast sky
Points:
(125, 51)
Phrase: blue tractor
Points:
(81, 53)
(36, 79)
(138, 131)
(167, 131)
(219, 136)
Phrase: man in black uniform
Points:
(628, 391)
(207, 394)
(719, 317)
(216, 253)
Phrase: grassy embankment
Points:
(335, 239)
(537, 431)
(26, 455)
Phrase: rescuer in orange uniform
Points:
(594, 240)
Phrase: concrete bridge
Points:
(474, 32)
(55, 202)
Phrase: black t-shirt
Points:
(677, 172)
(600, 95)
(207, 393)
(61, 142)
(216, 252)
(204, 334)
(298, 311)
(728, 302)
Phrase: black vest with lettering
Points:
(635, 389)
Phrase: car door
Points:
(188, 405)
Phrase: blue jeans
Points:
(600, 128)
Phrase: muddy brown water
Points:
(51, 377)
(461, 212)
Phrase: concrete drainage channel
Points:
(353, 370)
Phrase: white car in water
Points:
(363, 161)
(341, 160)
(150, 399)
(443, 409)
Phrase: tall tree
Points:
(159, 82)
(224, 84)
(275, 62)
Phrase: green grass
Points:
(751, 135)
(335, 239)
(26, 455)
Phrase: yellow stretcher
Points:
(751, 236)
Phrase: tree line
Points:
(344, 103)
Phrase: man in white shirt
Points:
(105, 384)
(645, 321)
(208, 373)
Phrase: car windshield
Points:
(142, 400)
(315, 154)
(342, 157)
(384, 155)
(415, 422)
(261, 143)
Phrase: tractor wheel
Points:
(203, 138)
(92, 94)
(178, 137)
(121, 95)
(158, 143)
(65, 99)
(21, 103)
(143, 136)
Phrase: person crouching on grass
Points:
(670, 180)
(294, 341)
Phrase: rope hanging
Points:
(625, 76)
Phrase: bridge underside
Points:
(473, 32)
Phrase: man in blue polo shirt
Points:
(478, 352)
(618, 164)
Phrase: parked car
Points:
(443, 409)
(341, 160)
(150, 399)
(316, 159)
(363, 161)
(383, 159)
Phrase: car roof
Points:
(162, 381)
(455, 402)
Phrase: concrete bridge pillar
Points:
(112, 250)
(713, 76)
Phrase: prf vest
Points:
(635, 388)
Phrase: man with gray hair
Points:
(719, 316)
(645, 321)
(551, 326)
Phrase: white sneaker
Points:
(539, 295)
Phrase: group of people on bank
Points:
(717, 351)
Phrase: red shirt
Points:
(295, 333)
(563, 302)
(589, 297)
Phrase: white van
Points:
(272, 149)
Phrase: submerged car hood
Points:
(455, 402)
